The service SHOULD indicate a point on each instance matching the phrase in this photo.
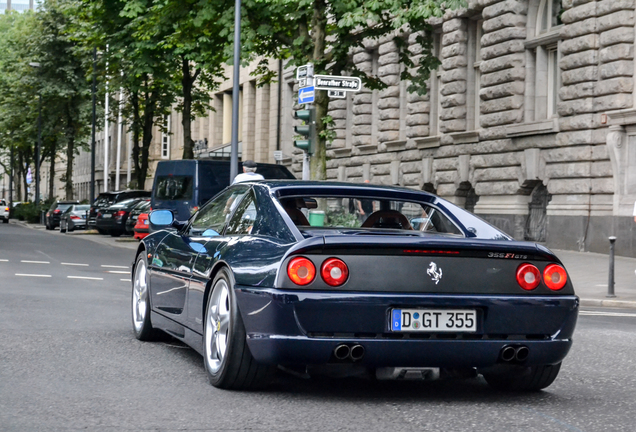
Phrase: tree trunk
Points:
(186, 82)
(319, 31)
(70, 153)
(149, 121)
(52, 172)
(136, 129)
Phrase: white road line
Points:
(112, 266)
(4, 260)
(117, 272)
(32, 275)
(84, 277)
(125, 280)
(35, 262)
(75, 264)
(608, 314)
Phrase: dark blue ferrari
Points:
(352, 279)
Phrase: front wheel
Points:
(228, 360)
(533, 378)
(142, 326)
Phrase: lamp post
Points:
(235, 90)
(93, 126)
(39, 144)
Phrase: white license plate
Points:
(434, 320)
(107, 216)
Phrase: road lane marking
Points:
(117, 272)
(75, 264)
(114, 266)
(4, 260)
(35, 262)
(33, 275)
(608, 314)
(85, 277)
(125, 280)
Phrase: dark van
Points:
(185, 185)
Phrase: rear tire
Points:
(227, 358)
(115, 233)
(142, 326)
(5, 220)
(533, 378)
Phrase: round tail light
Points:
(301, 271)
(555, 277)
(528, 276)
(334, 272)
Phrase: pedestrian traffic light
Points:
(307, 130)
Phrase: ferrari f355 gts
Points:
(347, 279)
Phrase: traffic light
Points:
(307, 130)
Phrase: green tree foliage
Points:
(327, 33)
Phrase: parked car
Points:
(74, 217)
(185, 185)
(283, 273)
(141, 227)
(112, 220)
(54, 214)
(142, 206)
(4, 211)
(106, 199)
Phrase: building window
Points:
(474, 75)
(436, 80)
(549, 16)
(542, 61)
(165, 138)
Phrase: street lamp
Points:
(39, 144)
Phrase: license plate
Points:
(434, 320)
(107, 216)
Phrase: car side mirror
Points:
(161, 218)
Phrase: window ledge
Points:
(465, 137)
(544, 39)
(395, 145)
(428, 142)
(533, 128)
(367, 148)
(342, 151)
(622, 118)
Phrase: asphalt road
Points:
(69, 361)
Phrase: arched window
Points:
(549, 15)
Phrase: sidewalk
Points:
(589, 271)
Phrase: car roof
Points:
(309, 187)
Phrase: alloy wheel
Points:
(140, 295)
(217, 326)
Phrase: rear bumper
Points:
(300, 328)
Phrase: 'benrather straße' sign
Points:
(327, 82)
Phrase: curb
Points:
(608, 303)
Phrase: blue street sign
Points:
(306, 95)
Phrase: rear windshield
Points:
(104, 200)
(63, 207)
(368, 214)
(174, 188)
(82, 207)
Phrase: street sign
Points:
(326, 82)
(278, 155)
(337, 94)
(305, 71)
(305, 82)
(306, 95)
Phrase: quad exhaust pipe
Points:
(514, 353)
(344, 352)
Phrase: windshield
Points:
(368, 214)
(103, 200)
(174, 187)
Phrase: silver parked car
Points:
(4, 211)
(74, 217)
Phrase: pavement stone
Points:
(589, 273)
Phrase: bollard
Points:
(610, 285)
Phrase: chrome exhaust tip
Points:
(522, 353)
(357, 352)
(342, 352)
(508, 353)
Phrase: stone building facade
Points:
(530, 120)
